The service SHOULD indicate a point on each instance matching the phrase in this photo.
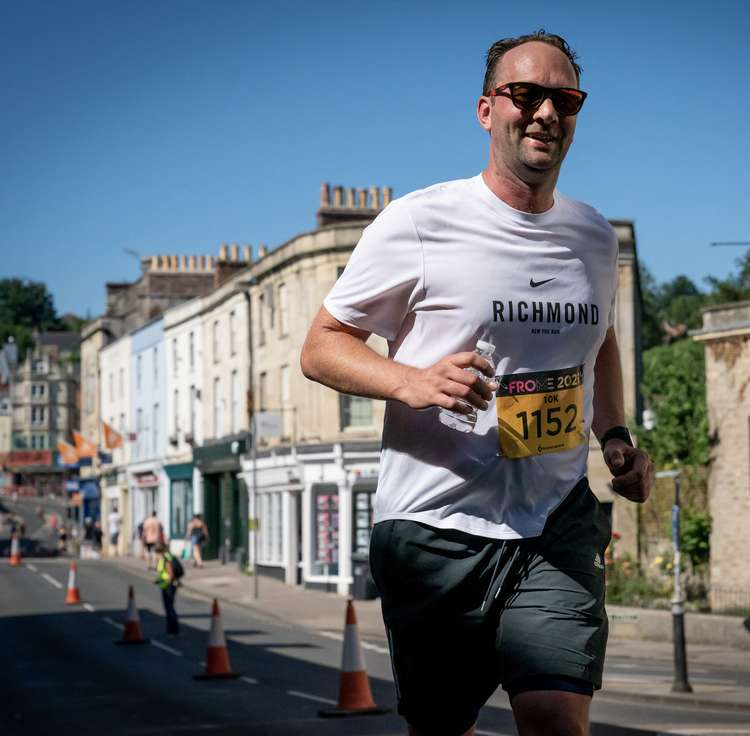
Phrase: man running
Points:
(488, 545)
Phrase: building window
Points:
(38, 442)
(139, 438)
(156, 366)
(263, 391)
(283, 310)
(192, 412)
(355, 411)
(325, 559)
(287, 410)
(176, 412)
(217, 409)
(122, 424)
(38, 390)
(39, 366)
(138, 367)
(270, 533)
(37, 415)
(182, 506)
(232, 333)
(235, 402)
(155, 434)
(174, 356)
(362, 502)
(122, 383)
(261, 320)
(191, 340)
(111, 386)
(216, 342)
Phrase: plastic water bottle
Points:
(465, 422)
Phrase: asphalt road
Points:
(60, 671)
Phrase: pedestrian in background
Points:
(197, 533)
(153, 534)
(168, 583)
(114, 523)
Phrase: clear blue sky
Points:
(171, 127)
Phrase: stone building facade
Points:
(726, 338)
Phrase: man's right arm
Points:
(335, 354)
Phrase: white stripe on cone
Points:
(15, 546)
(132, 614)
(352, 659)
(216, 635)
(71, 578)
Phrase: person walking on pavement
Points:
(114, 524)
(197, 533)
(153, 534)
(168, 583)
(488, 542)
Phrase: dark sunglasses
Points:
(528, 97)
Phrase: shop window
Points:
(355, 411)
(325, 558)
(271, 526)
(362, 502)
(182, 506)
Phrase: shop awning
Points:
(179, 471)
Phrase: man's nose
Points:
(546, 111)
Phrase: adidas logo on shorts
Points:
(598, 561)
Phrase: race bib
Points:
(539, 413)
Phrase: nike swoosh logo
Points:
(533, 284)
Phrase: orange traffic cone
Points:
(355, 697)
(217, 658)
(132, 632)
(15, 550)
(73, 595)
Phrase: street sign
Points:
(268, 423)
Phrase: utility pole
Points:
(680, 683)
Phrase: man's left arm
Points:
(631, 467)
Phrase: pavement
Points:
(324, 613)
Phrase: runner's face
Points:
(532, 145)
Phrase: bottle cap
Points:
(485, 347)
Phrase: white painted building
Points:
(183, 342)
(115, 403)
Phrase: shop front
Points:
(225, 506)
(145, 498)
(181, 502)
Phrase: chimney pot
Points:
(191, 263)
(209, 261)
(234, 250)
(325, 195)
(387, 195)
(350, 198)
(374, 198)
(154, 263)
(262, 251)
(337, 196)
(362, 199)
(183, 263)
(223, 252)
(247, 254)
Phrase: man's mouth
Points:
(543, 137)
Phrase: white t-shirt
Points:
(444, 267)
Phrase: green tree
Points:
(674, 388)
(650, 329)
(734, 288)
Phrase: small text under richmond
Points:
(547, 312)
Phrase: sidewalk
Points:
(320, 611)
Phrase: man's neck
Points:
(520, 195)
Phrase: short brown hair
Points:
(501, 47)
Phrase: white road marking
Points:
(31, 567)
(307, 696)
(113, 623)
(365, 644)
(479, 732)
(374, 648)
(89, 607)
(158, 644)
(249, 680)
(51, 580)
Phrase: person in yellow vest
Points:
(167, 581)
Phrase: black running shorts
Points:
(465, 614)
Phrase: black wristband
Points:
(620, 433)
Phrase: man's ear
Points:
(484, 113)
